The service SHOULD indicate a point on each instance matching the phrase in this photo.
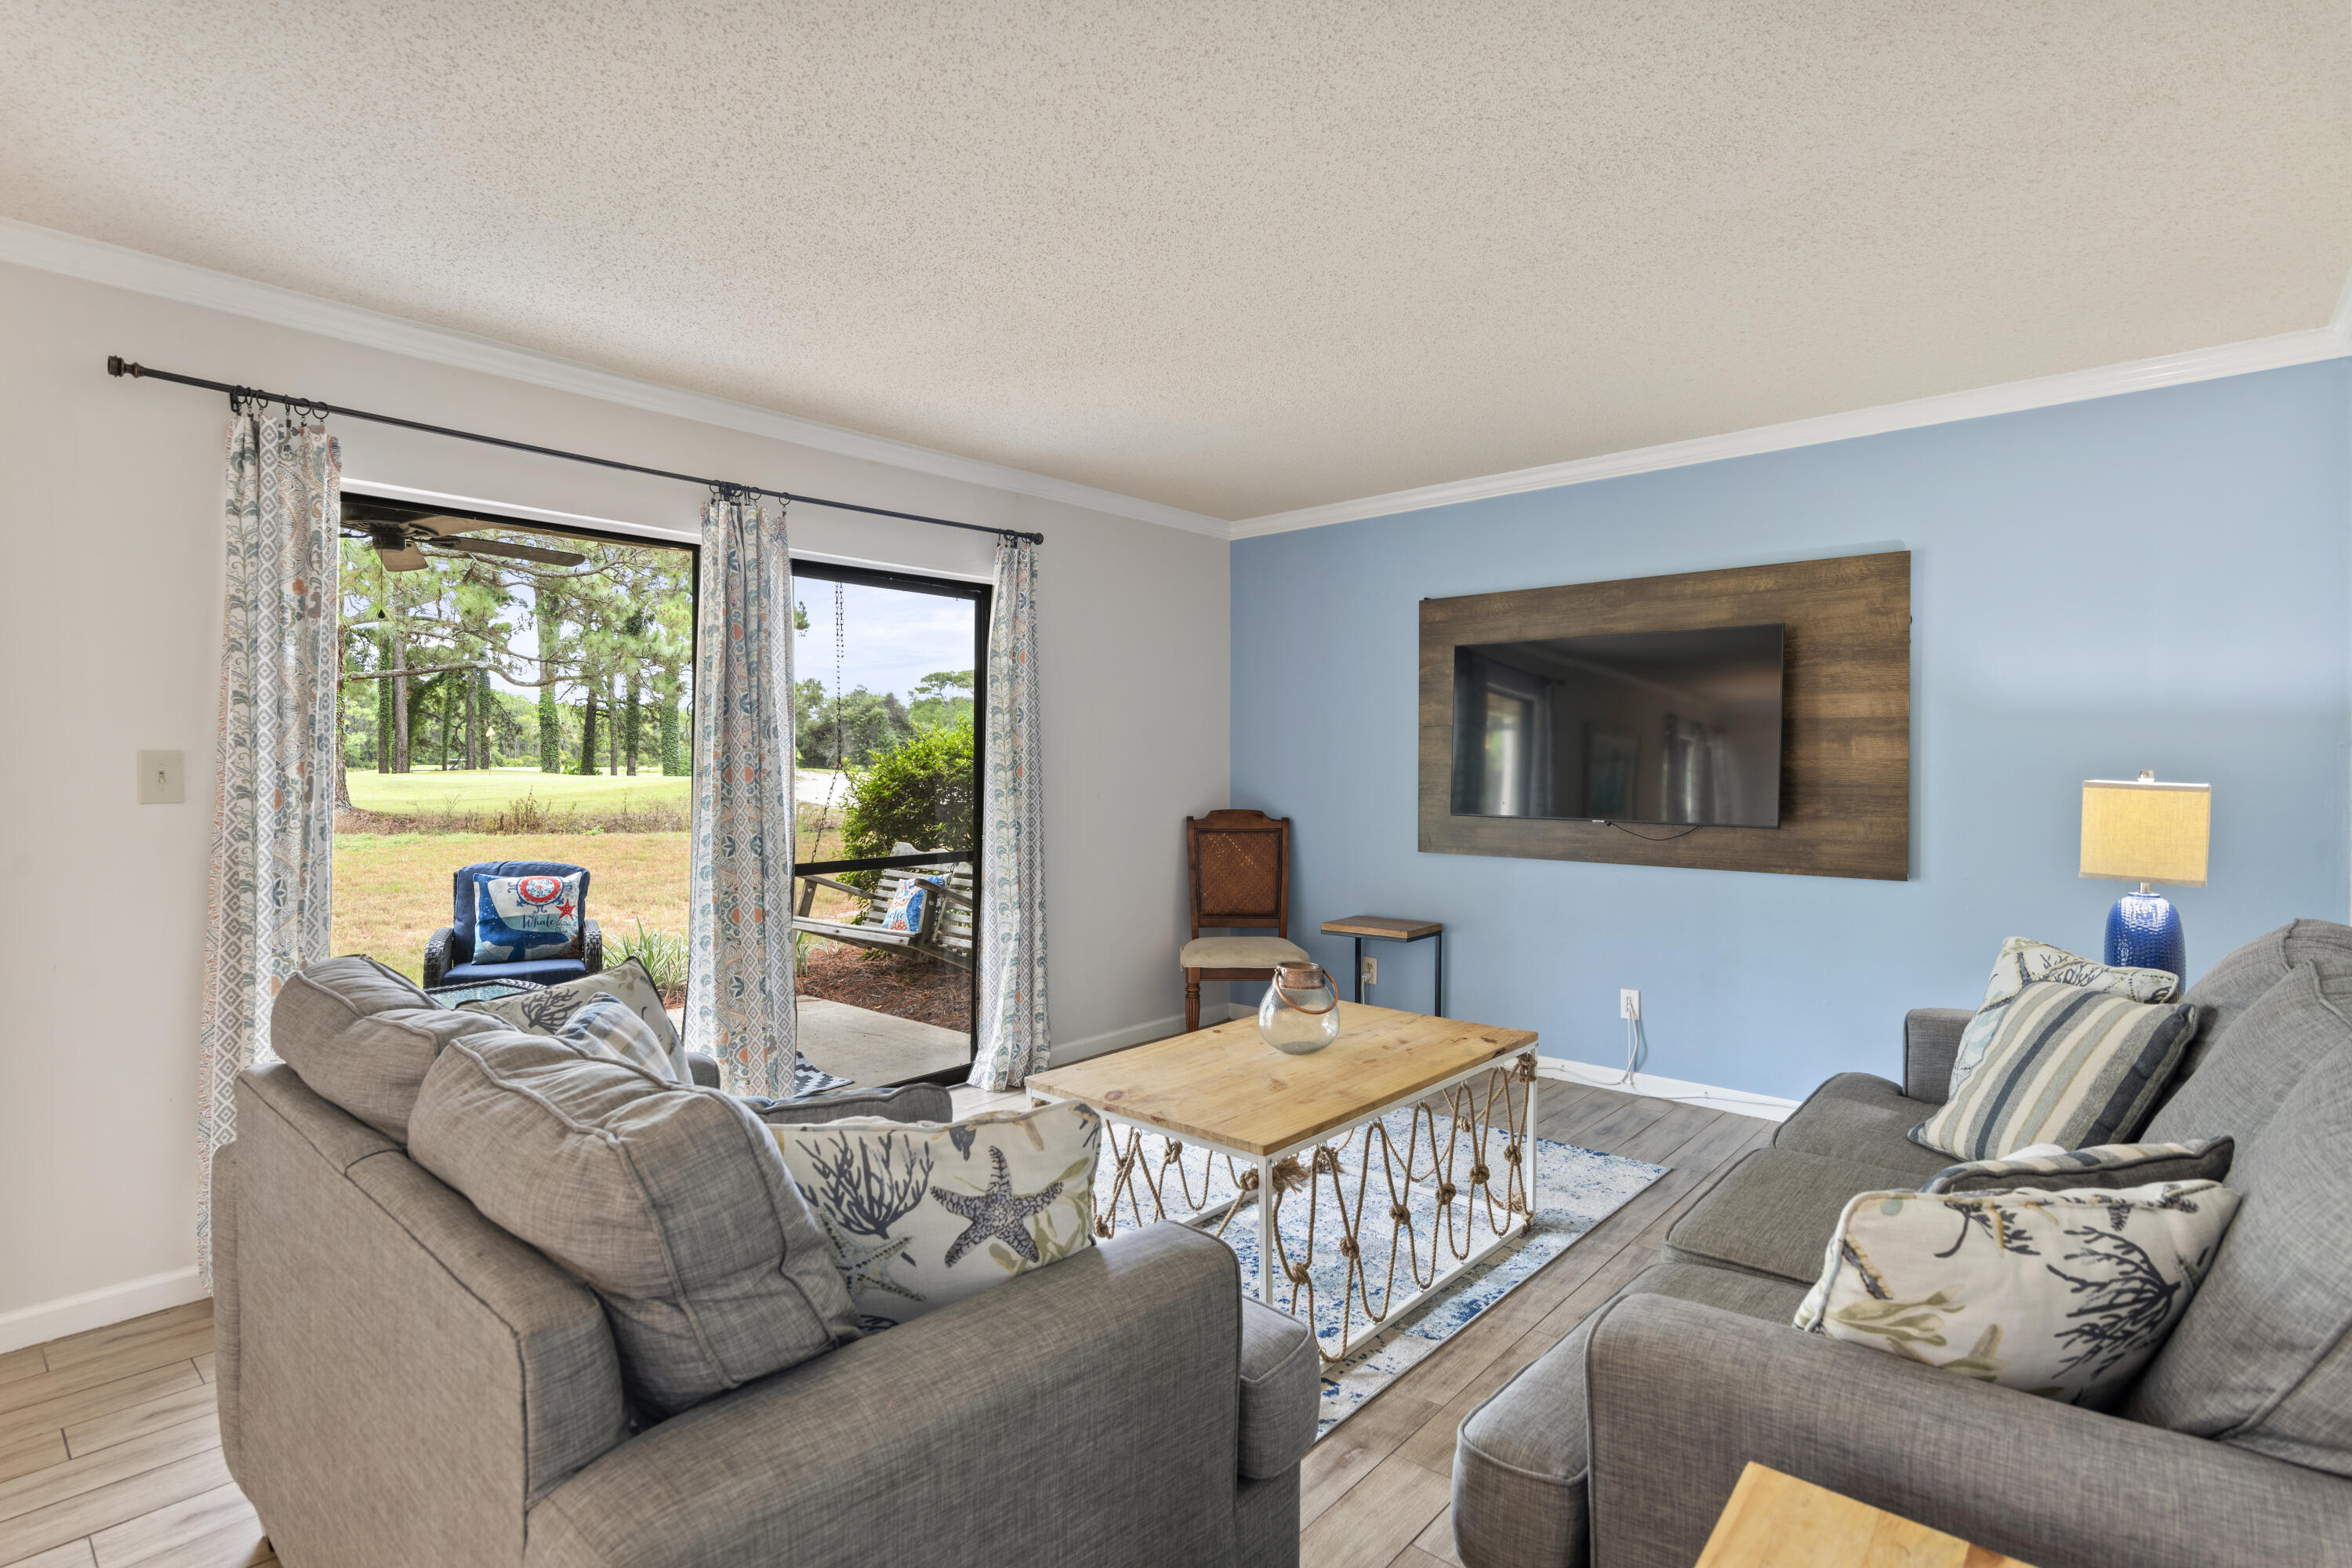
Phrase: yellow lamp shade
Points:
(2143, 831)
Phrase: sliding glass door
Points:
(887, 727)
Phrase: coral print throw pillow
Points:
(923, 1213)
(518, 918)
(2063, 1294)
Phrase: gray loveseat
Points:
(1621, 1445)
(403, 1382)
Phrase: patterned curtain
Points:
(274, 811)
(738, 988)
(1012, 884)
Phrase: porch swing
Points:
(944, 928)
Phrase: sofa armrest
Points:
(1681, 1397)
(592, 946)
(1931, 1039)
(1094, 1400)
(401, 1378)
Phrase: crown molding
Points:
(97, 261)
(2331, 342)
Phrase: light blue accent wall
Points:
(2161, 580)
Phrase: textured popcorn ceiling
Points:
(1236, 258)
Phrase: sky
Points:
(895, 638)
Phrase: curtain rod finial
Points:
(114, 365)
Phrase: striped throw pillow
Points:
(2068, 1066)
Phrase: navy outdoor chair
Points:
(448, 957)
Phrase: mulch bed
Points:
(892, 983)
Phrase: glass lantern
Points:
(1301, 1010)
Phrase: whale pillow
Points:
(518, 918)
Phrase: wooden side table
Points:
(1387, 928)
(1779, 1521)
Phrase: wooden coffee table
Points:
(1229, 1091)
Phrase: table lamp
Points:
(2142, 831)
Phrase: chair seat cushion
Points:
(1860, 1116)
(1282, 1390)
(538, 971)
(1239, 952)
(1774, 1212)
(1520, 1460)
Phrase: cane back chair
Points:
(1238, 863)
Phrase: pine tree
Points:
(545, 611)
(384, 715)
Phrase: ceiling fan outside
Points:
(402, 539)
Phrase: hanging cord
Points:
(240, 396)
(1637, 1050)
(1659, 838)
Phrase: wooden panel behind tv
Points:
(1845, 738)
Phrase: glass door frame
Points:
(983, 597)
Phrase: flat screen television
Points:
(1641, 727)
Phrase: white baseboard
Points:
(47, 1321)
(1069, 1051)
(1770, 1107)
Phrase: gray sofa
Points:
(403, 1382)
(1621, 1445)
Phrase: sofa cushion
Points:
(2067, 1066)
(361, 1035)
(671, 1203)
(1282, 1390)
(2107, 1165)
(2263, 1357)
(1860, 1116)
(1774, 1212)
(2224, 992)
(2295, 1025)
(1520, 1458)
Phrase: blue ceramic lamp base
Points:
(2144, 932)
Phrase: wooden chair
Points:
(1239, 864)
(946, 932)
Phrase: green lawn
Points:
(492, 789)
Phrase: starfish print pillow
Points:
(923, 1213)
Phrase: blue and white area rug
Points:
(1576, 1190)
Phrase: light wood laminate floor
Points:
(110, 1447)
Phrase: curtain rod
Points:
(239, 395)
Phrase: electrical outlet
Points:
(1372, 970)
(1629, 1004)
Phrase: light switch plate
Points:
(159, 778)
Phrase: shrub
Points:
(917, 793)
(663, 955)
